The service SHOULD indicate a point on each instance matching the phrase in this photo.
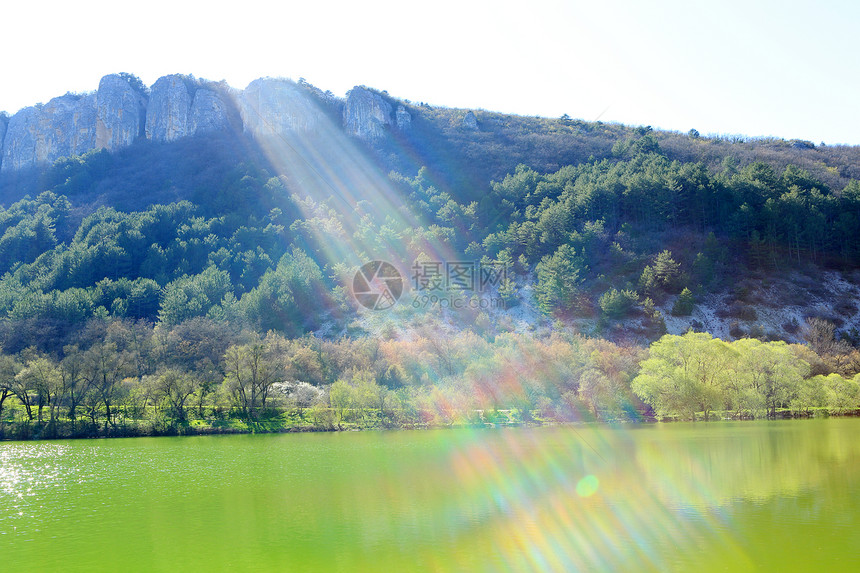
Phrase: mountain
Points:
(283, 255)
(580, 211)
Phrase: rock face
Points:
(168, 113)
(366, 114)
(65, 126)
(404, 120)
(4, 122)
(209, 112)
(19, 145)
(68, 125)
(470, 121)
(120, 113)
(277, 106)
(73, 124)
(178, 106)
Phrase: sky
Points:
(733, 67)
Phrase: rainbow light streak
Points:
(335, 179)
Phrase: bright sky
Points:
(753, 67)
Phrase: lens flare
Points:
(587, 486)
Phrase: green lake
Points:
(729, 496)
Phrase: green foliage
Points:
(559, 278)
(135, 83)
(648, 281)
(191, 296)
(684, 375)
(684, 303)
(288, 297)
(617, 304)
(694, 373)
(666, 271)
(841, 395)
(509, 292)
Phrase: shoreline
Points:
(36, 431)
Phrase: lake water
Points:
(743, 496)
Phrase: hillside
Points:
(170, 242)
(488, 184)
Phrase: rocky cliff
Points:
(403, 118)
(64, 126)
(121, 112)
(210, 108)
(276, 106)
(169, 109)
(470, 121)
(178, 106)
(4, 123)
(366, 114)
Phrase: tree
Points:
(841, 394)
(8, 370)
(251, 369)
(770, 370)
(685, 374)
(666, 271)
(560, 276)
(40, 374)
(684, 304)
(617, 304)
(176, 387)
(23, 386)
(135, 83)
(104, 369)
(604, 385)
(71, 371)
(509, 292)
(342, 398)
(820, 335)
(303, 395)
(648, 282)
(369, 395)
(191, 296)
(810, 394)
(287, 296)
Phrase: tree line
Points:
(747, 378)
(125, 377)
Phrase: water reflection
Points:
(665, 497)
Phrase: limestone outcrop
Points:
(169, 109)
(470, 122)
(4, 122)
(209, 111)
(122, 110)
(366, 114)
(275, 106)
(180, 106)
(63, 127)
(403, 118)
(120, 113)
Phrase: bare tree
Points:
(8, 369)
(104, 369)
(251, 369)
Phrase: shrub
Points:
(684, 304)
(617, 304)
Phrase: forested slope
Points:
(167, 257)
